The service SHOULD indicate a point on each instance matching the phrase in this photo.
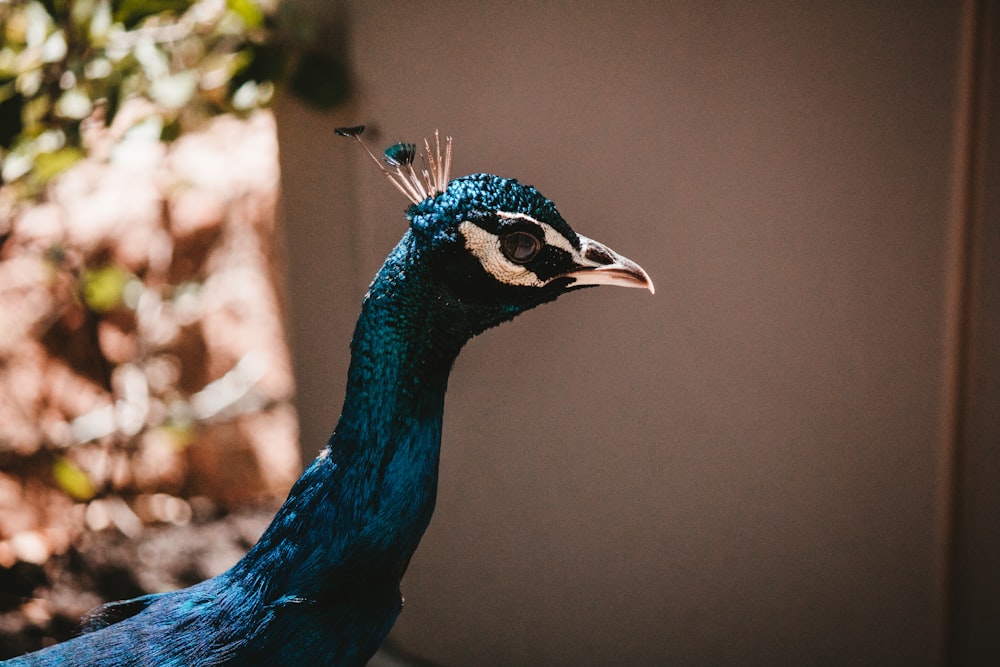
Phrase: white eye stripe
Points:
(552, 237)
(486, 248)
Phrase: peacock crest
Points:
(397, 165)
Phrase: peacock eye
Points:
(520, 247)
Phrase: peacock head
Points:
(491, 244)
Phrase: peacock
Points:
(322, 585)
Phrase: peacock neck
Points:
(360, 509)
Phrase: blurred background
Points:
(789, 455)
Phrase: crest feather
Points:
(398, 162)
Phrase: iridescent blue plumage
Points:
(399, 155)
(478, 193)
(321, 587)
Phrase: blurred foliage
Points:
(66, 63)
(70, 72)
(73, 480)
(103, 289)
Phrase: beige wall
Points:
(750, 467)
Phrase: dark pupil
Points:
(520, 247)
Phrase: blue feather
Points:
(321, 586)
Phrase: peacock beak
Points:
(600, 265)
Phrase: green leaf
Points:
(103, 288)
(248, 10)
(50, 165)
(133, 12)
(73, 480)
(171, 131)
(34, 110)
(181, 435)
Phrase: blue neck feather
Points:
(358, 512)
(321, 586)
